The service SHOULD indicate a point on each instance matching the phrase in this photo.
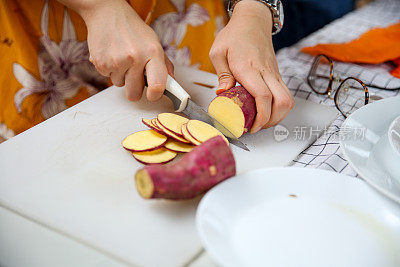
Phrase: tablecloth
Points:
(294, 65)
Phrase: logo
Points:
(281, 133)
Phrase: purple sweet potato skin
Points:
(205, 166)
(246, 102)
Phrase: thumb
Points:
(225, 76)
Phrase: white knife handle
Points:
(174, 88)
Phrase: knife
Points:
(183, 103)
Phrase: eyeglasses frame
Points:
(328, 90)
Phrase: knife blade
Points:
(183, 103)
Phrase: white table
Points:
(76, 179)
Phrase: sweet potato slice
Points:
(172, 122)
(202, 131)
(205, 166)
(188, 136)
(161, 155)
(149, 124)
(146, 140)
(171, 134)
(235, 109)
(178, 146)
(154, 123)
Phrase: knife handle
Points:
(175, 92)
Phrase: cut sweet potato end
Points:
(202, 131)
(171, 134)
(229, 113)
(188, 136)
(178, 146)
(161, 155)
(144, 184)
(172, 122)
(144, 141)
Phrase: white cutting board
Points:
(71, 174)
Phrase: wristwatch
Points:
(276, 8)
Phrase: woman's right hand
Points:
(122, 46)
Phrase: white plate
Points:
(374, 119)
(299, 217)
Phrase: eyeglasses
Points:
(351, 93)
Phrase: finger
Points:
(118, 77)
(283, 101)
(170, 66)
(156, 71)
(101, 67)
(134, 83)
(255, 85)
(225, 76)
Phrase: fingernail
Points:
(221, 88)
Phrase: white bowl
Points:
(298, 217)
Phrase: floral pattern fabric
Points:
(47, 69)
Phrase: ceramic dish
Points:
(299, 217)
(373, 153)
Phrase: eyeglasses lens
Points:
(350, 96)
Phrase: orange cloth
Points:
(373, 47)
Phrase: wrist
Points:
(253, 9)
(87, 9)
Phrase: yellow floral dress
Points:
(44, 53)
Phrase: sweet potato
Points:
(178, 146)
(146, 140)
(149, 124)
(235, 109)
(154, 123)
(199, 170)
(188, 136)
(202, 131)
(172, 122)
(171, 134)
(161, 155)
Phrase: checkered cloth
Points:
(294, 65)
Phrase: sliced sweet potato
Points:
(171, 134)
(188, 136)
(172, 122)
(161, 155)
(146, 140)
(154, 123)
(202, 131)
(178, 146)
(149, 124)
(205, 166)
(235, 109)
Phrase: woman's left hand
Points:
(243, 52)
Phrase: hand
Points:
(243, 52)
(122, 47)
